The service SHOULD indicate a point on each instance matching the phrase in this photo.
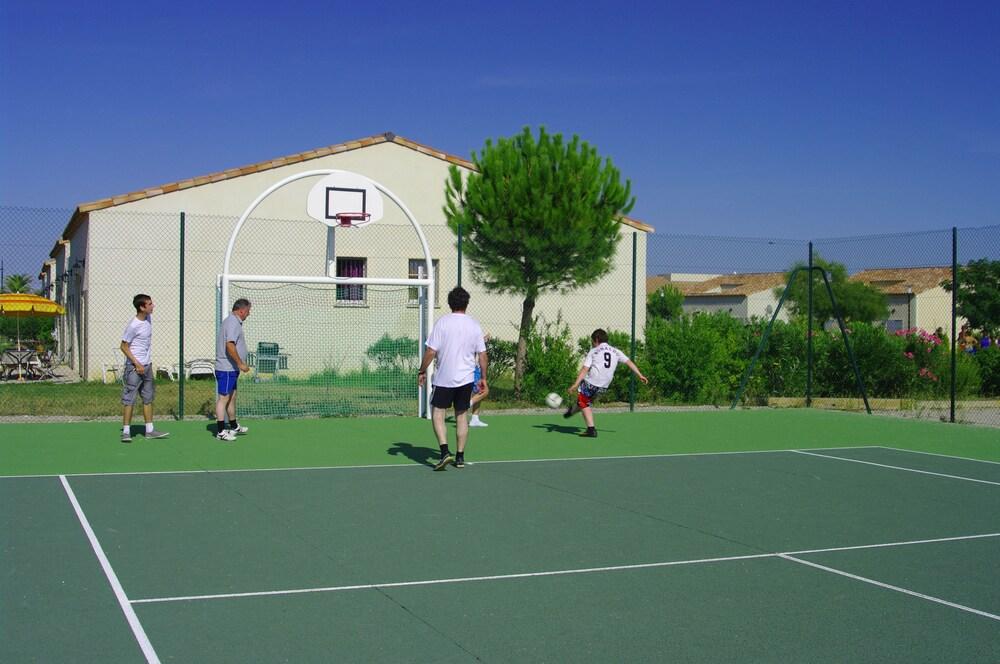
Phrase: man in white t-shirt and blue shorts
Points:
(137, 378)
(457, 343)
(595, 376)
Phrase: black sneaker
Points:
(460, 461)
(443, 463)
(570, 412)
(589, 433)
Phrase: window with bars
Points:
(414, 273)
(351, 267)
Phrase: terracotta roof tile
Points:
(306, 155)
(725, 285)
(896, 281)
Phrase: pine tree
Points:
(537, 215)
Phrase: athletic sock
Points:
(445, 451)
(233, 425)
(221, 424)
(126, 428)
(149, 427)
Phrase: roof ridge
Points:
(277, 162)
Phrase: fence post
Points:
(809, 334)
(954, 315)
(180, 332)
(631, 384)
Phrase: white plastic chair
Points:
(116, 369)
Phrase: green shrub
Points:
(551, 362)
(781, 367)
(35, 330)
(968, 381)
(501, 355)
(695, 359)
(884, 367)
(988, 361)
(400, 354)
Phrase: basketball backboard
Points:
(344, 192)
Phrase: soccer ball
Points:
(553, 400)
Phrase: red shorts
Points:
(587, 394)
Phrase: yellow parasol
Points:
(26, 305)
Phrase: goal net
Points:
(323, 350)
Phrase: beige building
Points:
(116, 247)
(915, 296)
(743, 296)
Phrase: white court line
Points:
(502, 577)
(465, 579)
(946, 456)
(414, 465)
(888, 544)
(885, 465)
(930, 598)
(123, 600)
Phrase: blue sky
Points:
(787, 120)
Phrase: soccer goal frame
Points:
(424, 284)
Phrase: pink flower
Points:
(908, 354)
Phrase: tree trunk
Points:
(527, 310)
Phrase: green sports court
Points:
(701, 536)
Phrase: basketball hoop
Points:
(347, 219)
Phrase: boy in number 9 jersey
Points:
(595, 376)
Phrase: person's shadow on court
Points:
(559, 428)
(421, 455)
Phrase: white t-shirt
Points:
(601, 362)
(458, 340)
(139, 337)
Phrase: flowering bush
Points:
(927, 355)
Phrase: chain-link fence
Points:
(27, 237)
(727, 303)
(690, 310)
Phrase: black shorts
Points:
(446, 397)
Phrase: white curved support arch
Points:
(427, 282)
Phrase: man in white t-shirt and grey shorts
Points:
(137, 378)
(457, 343)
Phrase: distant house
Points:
(915, 296)
(744, 296)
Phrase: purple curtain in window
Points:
(350, 267)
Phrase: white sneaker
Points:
(226, 435)
(240, 430)
(476, 422)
